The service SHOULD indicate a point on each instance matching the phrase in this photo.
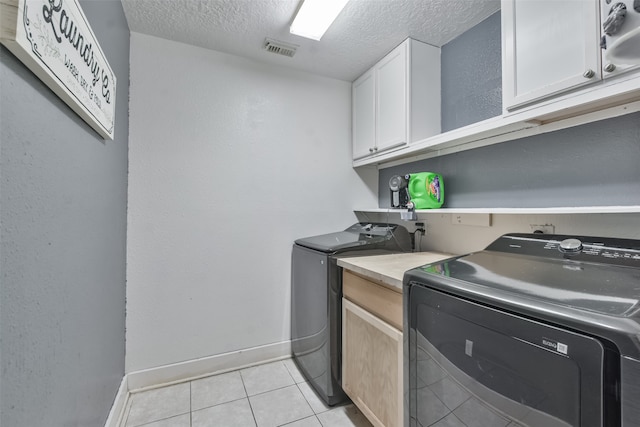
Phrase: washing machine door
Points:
(470, 364)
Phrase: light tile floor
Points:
(269, 395)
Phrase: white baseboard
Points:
(119, 404)
(192, 369)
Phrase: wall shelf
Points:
(549, 210)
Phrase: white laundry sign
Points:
(54, 40)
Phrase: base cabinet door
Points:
(372, 365)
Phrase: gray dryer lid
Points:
(593, 286)
(601, 275)
(607, 289)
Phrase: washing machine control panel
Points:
(372, 228)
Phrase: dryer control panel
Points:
(577, 248)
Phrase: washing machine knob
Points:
(571, 245)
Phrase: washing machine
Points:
(316, 296)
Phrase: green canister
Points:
(426, 190)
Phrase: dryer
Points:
(536, 330)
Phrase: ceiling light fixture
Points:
(315, 16)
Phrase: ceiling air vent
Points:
(281, 48)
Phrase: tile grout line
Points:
(305, 381)
(313, 413)
(297, 384)
(268, 391)
(146, 423)
(240, 398)
(286, 368)
(158, 420)
(289, 371)
(295, 421)
(248, 400)
(307, 400)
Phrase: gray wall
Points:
(63, 230)
(590, 165)
(472, 75)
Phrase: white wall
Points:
(230, 160)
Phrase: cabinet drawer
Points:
(378, 300)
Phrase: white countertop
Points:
(389, 269)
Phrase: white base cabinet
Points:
(397, 101)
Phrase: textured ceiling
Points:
(362, 34)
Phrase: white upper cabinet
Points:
(391, 102)
(548, 47)
(397, 101)
(364, 114)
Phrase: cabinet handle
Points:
(589, 74)
(609, 68)
(371, 150)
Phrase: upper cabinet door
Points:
(549, 46)
(391, 100)
(364, 115)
